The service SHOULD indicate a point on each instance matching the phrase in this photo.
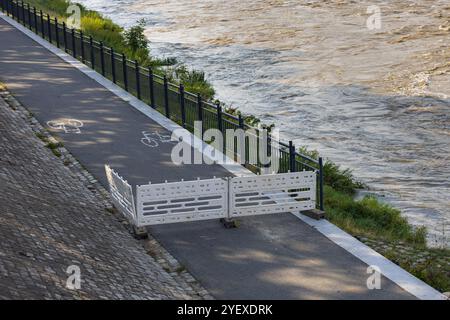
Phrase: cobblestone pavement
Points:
(50, 220)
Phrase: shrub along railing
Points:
(169, 99)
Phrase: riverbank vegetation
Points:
(382, 227)
(367, 217)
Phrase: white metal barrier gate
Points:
(273, 193)
(181, 201)
(121, 194)
(213, 198)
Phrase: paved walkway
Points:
(271, 257)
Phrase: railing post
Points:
(219, 117)
(64, 36)
(199, 108)
(152, 89)
(15, 11)
(91, 49)
(35, 20)
(29, 16)
(83, 56)
(182, 105)
(102, 58)
(23, 13)
(241, 121)
(242, 126)
(269, 143)
(138, 79)
(42, 24)
(125, 73)
(321, 205)
(166, 97)
(9, 7)
(74, 50)
(291, 157)
(113, 65)
(220, 127)
(49, 27)
(12, 9)
(57, 32)
(200, 112)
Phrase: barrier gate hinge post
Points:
(229, 222)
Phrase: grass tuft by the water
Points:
(371, 218)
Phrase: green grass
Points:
(373, 219)
(54, 146)
(340, 179)
(433, 270)
(369, 217)
(366, 217)
(41, 136)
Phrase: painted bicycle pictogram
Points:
(153, 139)
(66, 125)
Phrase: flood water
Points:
(374, 100)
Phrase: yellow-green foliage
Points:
(102, 29)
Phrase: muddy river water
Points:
(367, 83)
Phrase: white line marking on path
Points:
(390, 270)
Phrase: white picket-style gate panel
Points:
(182, 201)
(216, 198)
(121, 194)
(274, 193)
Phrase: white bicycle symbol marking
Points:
(153, 139)
(67, 125)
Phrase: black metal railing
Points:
(169, 99)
